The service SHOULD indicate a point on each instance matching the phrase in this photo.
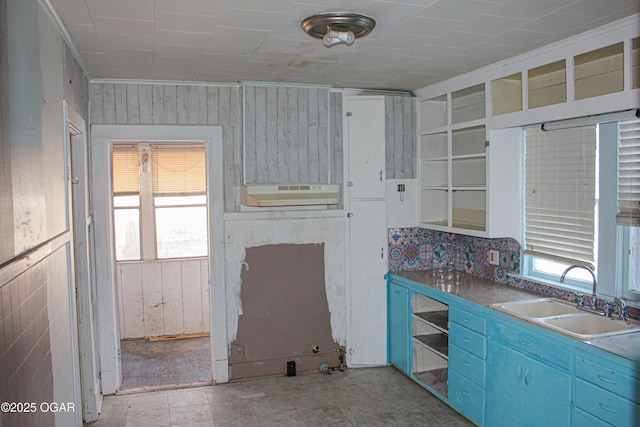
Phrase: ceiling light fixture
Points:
(338, 27)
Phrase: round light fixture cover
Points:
(359, 25)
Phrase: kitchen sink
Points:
(566, 318)
(537, 308)
(588, 325)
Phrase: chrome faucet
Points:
(619, 306)
(593, 291)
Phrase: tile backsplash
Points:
(416, 248)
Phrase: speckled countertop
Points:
(486, 292)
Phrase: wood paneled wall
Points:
(401, 148)
(170, 104)
(159, 298)
(286, 135)
(287, 127)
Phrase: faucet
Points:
(593, 291)
(619, 306)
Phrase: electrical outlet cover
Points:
(494, 257)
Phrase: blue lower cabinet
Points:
(466, 396)
(522, 391)
(399, 327)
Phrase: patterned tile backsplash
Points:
(418, 248)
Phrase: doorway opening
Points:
(160, 228)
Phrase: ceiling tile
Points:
(181, 38)
(190, 7)
(268, 6)
(125, 41)
(123, 9)
(557, 23)
(253, 20)
(456, 10)
(528, 10)
(184, 22)
(425, 26)
(123, 27)
(488, 24)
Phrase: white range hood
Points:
(290, 195)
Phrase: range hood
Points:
(290, 195)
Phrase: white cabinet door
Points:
(364, 127)
(367, 340)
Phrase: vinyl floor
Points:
(357, 397)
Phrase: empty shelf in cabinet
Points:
(436, 379)
(436, 342)
(438, 319)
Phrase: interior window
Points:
(160, 189)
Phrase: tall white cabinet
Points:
(366, 240)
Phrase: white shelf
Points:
(430, 343)
(599, 72)
(547, 84)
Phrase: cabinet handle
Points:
(524, 343)
(527, 377)
(466, 393)
(380, 175)
(519, 372)
(467, 340)
(606, 380)
(606, 408)
(465, 320)
(465, 363)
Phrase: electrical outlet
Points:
(494, 257)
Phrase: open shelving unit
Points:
(548, 84)
(635, 63)
(430, 330)
(506, 94)
(599, 72)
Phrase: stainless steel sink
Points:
(566, 318)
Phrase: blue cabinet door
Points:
(504, 386)
(399, 327)
(547, 395)
(522, 391)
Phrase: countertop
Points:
(486, 292)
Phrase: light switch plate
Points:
(494, 257)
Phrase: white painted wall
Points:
(159, 298)
(402, 208)
(35, 132)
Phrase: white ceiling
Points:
(415, 42)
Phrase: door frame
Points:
(102, 139)
(80, 224)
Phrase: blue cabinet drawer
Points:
(467, 397)
(534, 345)
(468, 320)
(605, 405)
(467, 365)
(607, 378)
(468, 340)
(582, 419)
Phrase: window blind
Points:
(179, 170)
(125, 170)
(560, 201)
(629, 173)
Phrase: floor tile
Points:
(358, 397)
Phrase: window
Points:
(561, 197)
(160, 203)
(628, 216)
(582, 206)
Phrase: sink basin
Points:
(538, 308)
(588, 326)
(566, 318)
